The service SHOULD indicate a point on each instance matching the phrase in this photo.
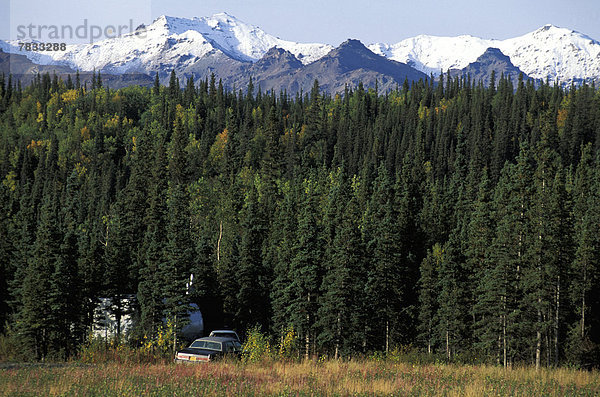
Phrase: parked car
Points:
(209, 349)
(225, 333)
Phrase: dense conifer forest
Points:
(460, 219)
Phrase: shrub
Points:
(9, 346)
(155, 349)
(161, 344)
(288, 345)
(257, 346)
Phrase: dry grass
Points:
(289, 378)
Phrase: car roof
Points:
(217, 338)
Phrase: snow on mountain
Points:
(249, 42)
(550, 51)
(13, 47)
(559, 53)
(432, 54)
(143, 50)
(178, 41)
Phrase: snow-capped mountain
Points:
(432, 54)
(223, 44)
(549, 52)
(175, 42)
(560, 54)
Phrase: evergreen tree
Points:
(306, 267)
(503, 290)
(156, 87)
(386, 274)
(37, 320)
(152, 254)
(487, 317)
(583, 341)
(546, 257)
(341, 313)
(456, 216)
(252, 297)
(175, 270)
(428, 302)
(65, 300)
(286, 221)
(6, 253)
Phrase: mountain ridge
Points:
(548, 52)
(229, 47)
(491, 62)
(347, 65)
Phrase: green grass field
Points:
(368, 377)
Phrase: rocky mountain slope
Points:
(549, 52)
(234, 50)
(491, 61)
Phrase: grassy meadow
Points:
(309, 378)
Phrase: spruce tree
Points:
(152, 252)
(341, 313)
(503, 284)
(178, 250)
(37, 320)
(65, 298)
(252, 297)
(386, 274)
(583, 343)
(281, 289)
(428, 302)
(306, 266)
(6, 254)
(547, 254)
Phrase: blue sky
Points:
(324, 21)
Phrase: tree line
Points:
(458, 218)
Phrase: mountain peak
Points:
(161, 21)
(353, 43)
(165, 20)
(352, 46)
(276, 52)
(552, 31)
(493, 60)
(232, 36)
(170, 25)
(353, 57)
(278, 56)
(548, 52)
(279, 53)
(224, 19)
(224, 15)
(493, 51)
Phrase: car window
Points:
(233, 346)
(213, 346)
(228, 347)
(206, 344)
